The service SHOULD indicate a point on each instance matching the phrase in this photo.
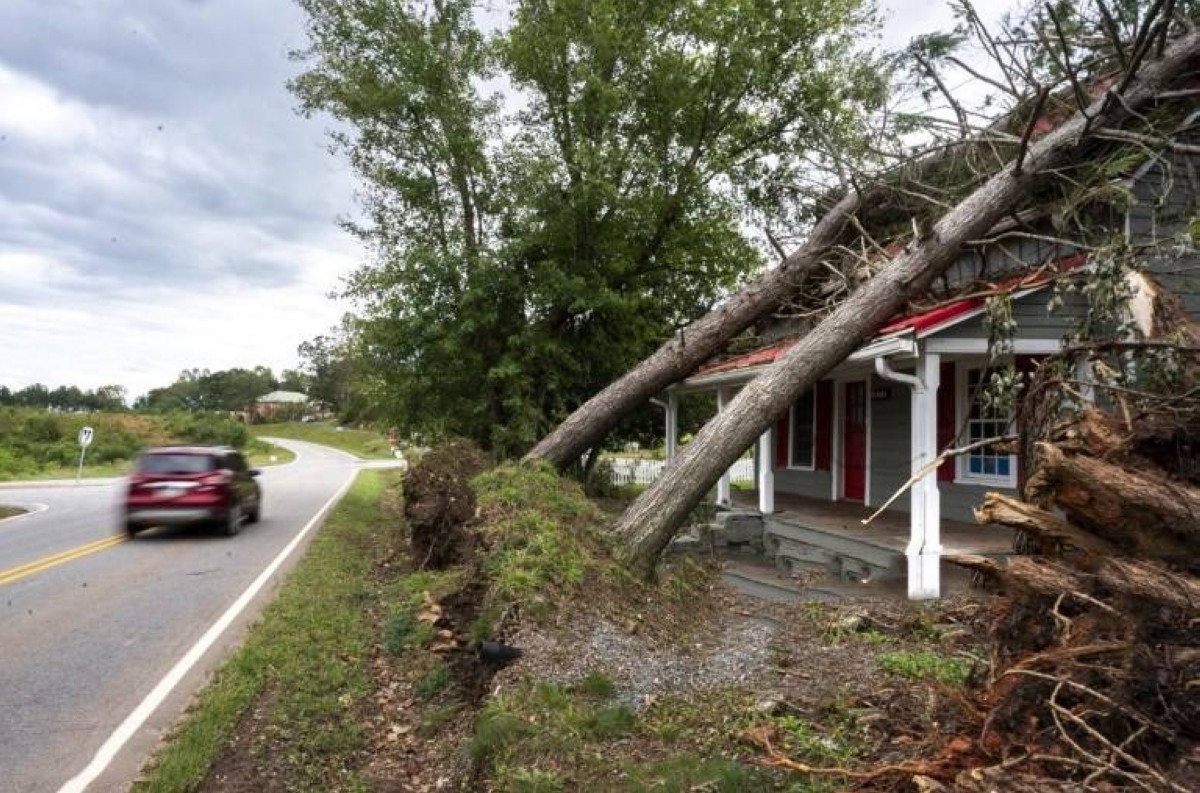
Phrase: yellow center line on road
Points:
(14, 574)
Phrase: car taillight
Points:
(214, 481)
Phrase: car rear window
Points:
(176, 463)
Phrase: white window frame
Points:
(962, 472)
(812, 446)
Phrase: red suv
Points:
(171, 485)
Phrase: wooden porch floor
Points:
(890, 530)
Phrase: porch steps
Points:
(802, 548)
(734, 527)
(762, 587)
(749, 573)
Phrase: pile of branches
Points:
(1095, 673)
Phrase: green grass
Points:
(261, 454)
(543, 736)
(361, 443)
(925, 665)
(8, 512)
(39, 444)
(535, 522)
(258, 453)
(303, 664)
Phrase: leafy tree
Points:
(523, 259)
(195, 389)
(295, 380)
(332, 364)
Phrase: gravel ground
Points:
(732, 650)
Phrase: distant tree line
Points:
(70, 398)
(223, 390)
(194, 390)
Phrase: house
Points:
(280, 403)
(878, 422)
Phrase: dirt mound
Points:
(439, 502)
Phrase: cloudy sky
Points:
(162, 206)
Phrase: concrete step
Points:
(765, 584)
(843, 556)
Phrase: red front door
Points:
(854, 442)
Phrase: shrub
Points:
(208, 428)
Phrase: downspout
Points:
(924, 546)
(885, 370)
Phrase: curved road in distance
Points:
(84, 640)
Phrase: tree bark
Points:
(1008, 511)
(691, 346)
(1144, 581)
(1142, 512)
(652, 520)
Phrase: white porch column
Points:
(925, 544)
(724, 494)
(766, 474)
(672, 425)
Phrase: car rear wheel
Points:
(253, 515)
(131, 529)
(233, 520)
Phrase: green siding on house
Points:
(1167, 199)
(813, 484)
(1034, 320)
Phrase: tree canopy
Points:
(546, 199)
(67, 398)
(226, 389)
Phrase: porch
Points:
(806, 533)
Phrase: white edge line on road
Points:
(34, 508)
(134, 721)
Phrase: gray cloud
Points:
(161, 205)
(153, 176)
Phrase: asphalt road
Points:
(91, 623)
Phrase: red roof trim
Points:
(757, 357)
(934, 316)
(940, 315)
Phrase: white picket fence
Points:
(630, 471)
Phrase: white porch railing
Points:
(630, 471)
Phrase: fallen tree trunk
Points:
(1046, 527)
(1141, 512)
(1143, 581)
(698, 341)
(652, 520)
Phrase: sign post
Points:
(85, 440)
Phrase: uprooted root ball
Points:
(439, 503)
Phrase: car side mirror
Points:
(255, 471)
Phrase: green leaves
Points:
(529, 247)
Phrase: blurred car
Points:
(173, 485)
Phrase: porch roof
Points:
(898, 335)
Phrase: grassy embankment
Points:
(366, 444)
(42, 445)
(362, 675)
(303, 667)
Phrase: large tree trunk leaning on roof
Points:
(700, 340)
(650, 523)
(691, 345)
